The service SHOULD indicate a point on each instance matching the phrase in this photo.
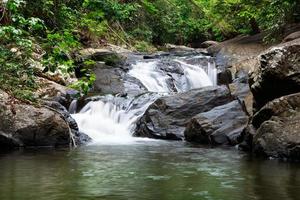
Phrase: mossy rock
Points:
(110, 58)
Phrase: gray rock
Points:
(277, 127)
(167, 117)
(27, 125)
(207, 44)
(277, 74)
(221, 125)
(108, 81)
(292, 36)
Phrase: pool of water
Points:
(145, 170)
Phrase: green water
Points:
(145, 170)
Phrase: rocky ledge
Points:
(274, 130)
(208, 116)
(26, 125)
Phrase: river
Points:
(145, 170)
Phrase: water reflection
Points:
(152, 170)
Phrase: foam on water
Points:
(112, 121)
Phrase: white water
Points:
(112, 120)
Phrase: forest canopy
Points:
(56, 28)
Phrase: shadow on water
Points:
(145, 170)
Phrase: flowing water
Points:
(111, 119)
(117, 166)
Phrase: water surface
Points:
(145, 170)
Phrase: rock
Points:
(277, 127)
(108, 81)
(238, 51)
(277, 74)
(156, 55)
(109, 57)
(241, 89)
(26, 125)
(79, 137)
(224, 77)
(221, 125)
(207, 44)
(167, 117)
(52, 91)
(292, 36)
(178, 48)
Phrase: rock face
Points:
(208, 43)
(109, 57)
(275, 84)
(168, 116)
(292, 36)
(108, 80)
(27, 125)
(278, 73)
(221, 125)
(278, 128)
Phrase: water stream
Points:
(112, 119)
(119, 167)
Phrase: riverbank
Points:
(236, 61)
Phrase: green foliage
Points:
(16, 46)
(58, 28)
(228, 18)
(143, 46)
(84, 84)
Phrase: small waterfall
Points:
(73, 107)
(152, 78)
(112, 119)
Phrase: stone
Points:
(23, 125)
(107, 56)
(208, 43)
(292, 36)
(221, 125)
(277, 74)
(168, 116)
(277, 127)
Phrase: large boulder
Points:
(238, 52)
(221, 125)
(108, 80)
(27, 125)
(277, 127)
(168, 116)
(277, 74)
(107, 56)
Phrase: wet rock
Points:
(277, 127)
(79, 137)
(277, 74)
(207, 44)
(167, 117)
(156, 55)
(26, 125)
(224, 77)
(221, 125)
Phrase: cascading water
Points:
(112, 119)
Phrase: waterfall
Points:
(112, 119)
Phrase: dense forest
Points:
(40, 36)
